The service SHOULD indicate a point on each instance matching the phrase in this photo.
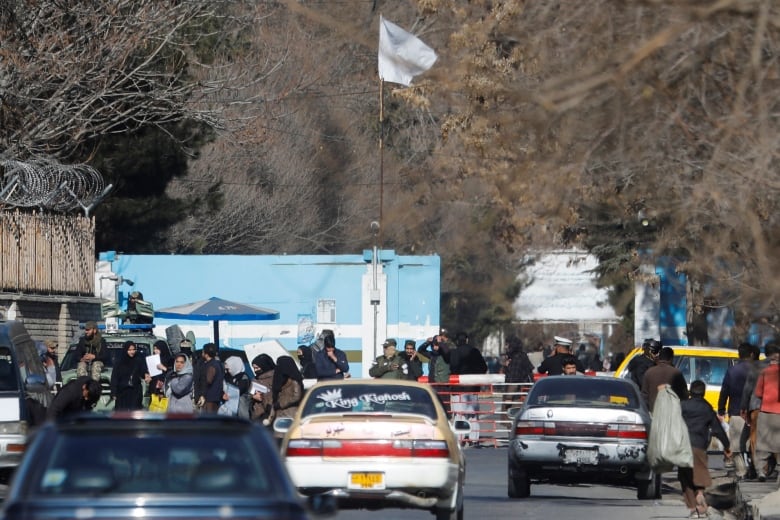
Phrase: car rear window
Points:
(218, 462)
(711, 370)
(583, 391)
(369, 398)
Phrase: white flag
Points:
(402, 55)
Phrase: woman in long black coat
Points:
(126, 377)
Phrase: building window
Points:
(326, 311)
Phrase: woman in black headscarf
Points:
(264, 367)
(287, 389)
(306, 359)
(126, 378)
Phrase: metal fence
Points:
(485, 406)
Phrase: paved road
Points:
(486, 498)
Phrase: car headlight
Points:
(13, 428)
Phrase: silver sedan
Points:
(581, 429)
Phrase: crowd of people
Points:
(749, 398)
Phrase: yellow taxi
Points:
(708, 364)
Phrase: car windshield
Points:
(369, 398)
(583, 391)
(8, 379)
(212, 462)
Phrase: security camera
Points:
(374, 226)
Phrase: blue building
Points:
(362, 298)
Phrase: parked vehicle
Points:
(574, 429)
(376, 444)
(140, 334)
(22, 387)
(708, 364)
(150, 465)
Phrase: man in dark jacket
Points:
(701, 421)
(91, 352)
(215, 377)
(663, 373)
(331, 362)
(639, 364)
(465, 358)
(79, 395)
(730, 401)
(414, 369)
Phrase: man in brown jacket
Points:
(663, 373)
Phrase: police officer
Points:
(390, 364)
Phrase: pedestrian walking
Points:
(768, 424)
(702, 423)
(663, 373)
(730, 401)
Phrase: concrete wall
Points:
(408, 289)
(51, 317)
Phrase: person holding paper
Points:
(262, 409)
(159, 365)
(236, 376)
(126, 379)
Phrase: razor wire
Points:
(48, 184)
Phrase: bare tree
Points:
(71, 71)
(585, 119)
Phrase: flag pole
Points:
(381, 155)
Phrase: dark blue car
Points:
(141, 465)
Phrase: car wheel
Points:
(518, 483)
(457, 513)
(649, 489)
(657, 486)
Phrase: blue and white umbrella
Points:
(216, 310)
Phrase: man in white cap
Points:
(553, 365)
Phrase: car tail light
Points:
(304, 448)
(627, 431)
(531, 428)
(581, 429)
(367, 448)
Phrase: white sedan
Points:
(375, 444)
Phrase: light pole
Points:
(374, 283)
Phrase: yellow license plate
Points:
(367, 481)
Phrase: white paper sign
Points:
(257, 387)
(151, 365)
(230, 407)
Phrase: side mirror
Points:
(461, 426)
(513, 412)
(322, 505)
(282, 424)
(35, 384)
